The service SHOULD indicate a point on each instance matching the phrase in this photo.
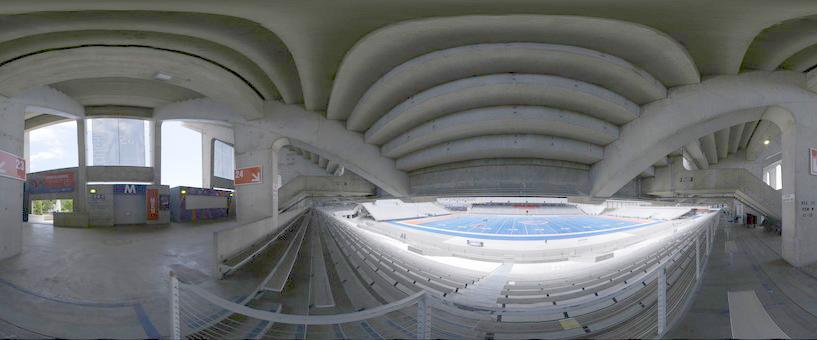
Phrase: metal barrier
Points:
(197, 313)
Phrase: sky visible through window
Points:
(181, 155)
(53, 147)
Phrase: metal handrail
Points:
(424, 298)
(296, 319)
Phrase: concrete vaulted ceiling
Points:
(124, 91)
(429, 84)
(445, 90)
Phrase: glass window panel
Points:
(223, 160)
(118, 142)
(53, 147)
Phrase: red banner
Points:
(51, 182)
(152, 204)
(250, 175)
(12, 166)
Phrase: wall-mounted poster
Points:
(152, 204)
(813, 157)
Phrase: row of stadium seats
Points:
(548, 291)
(649, 213)
(357, 271)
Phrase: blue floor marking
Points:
(299, 332)
(408, 334)
(523, 227)
(368, 328)
(339, 332)
(257, 330)
(150, 329)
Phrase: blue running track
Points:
(523, 227)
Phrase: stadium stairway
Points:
(739, 184)
(485, 291)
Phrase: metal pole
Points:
(708, 240)
(698, 258)
(423, 318)
(662, 301)
(175, 321)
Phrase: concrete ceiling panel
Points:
(498, 90)
(440, 67)
(502, 146)
(503, 120)
(383, 50)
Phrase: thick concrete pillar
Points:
(257, 201)
(157, 152)
(799, 193)
(81, 203)
(206, 159)
(12, 131)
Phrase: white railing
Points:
(198, 313)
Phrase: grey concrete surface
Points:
(750, 259)
(106, 282)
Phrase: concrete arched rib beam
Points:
(448, 65)
(496, 90)
(503, 120)
(130, 62)
(263, 47)
(204, 49)
(803, 60)
(502, 146)
(773, 46)
(384, 49)
(46, 99)
(691, 112)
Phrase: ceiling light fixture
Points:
(766, 142)
(162, 76)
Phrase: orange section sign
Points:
(250, 175)
(12, 166)
(152, 203)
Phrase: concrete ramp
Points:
(749, 319)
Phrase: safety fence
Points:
(199, 314)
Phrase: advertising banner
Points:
(152, 204)
(250, 175)
(813, 158)
(12, 166)
(50, 183)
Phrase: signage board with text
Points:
(249, 175)
(12, 166)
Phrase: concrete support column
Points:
(799, 192)
(206, 159)
(12, 131)
(157, 152)
(81, 203)
(255, 202)
(273, 185)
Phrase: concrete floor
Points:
(100, 283)
(749, 259)
(92, 283)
